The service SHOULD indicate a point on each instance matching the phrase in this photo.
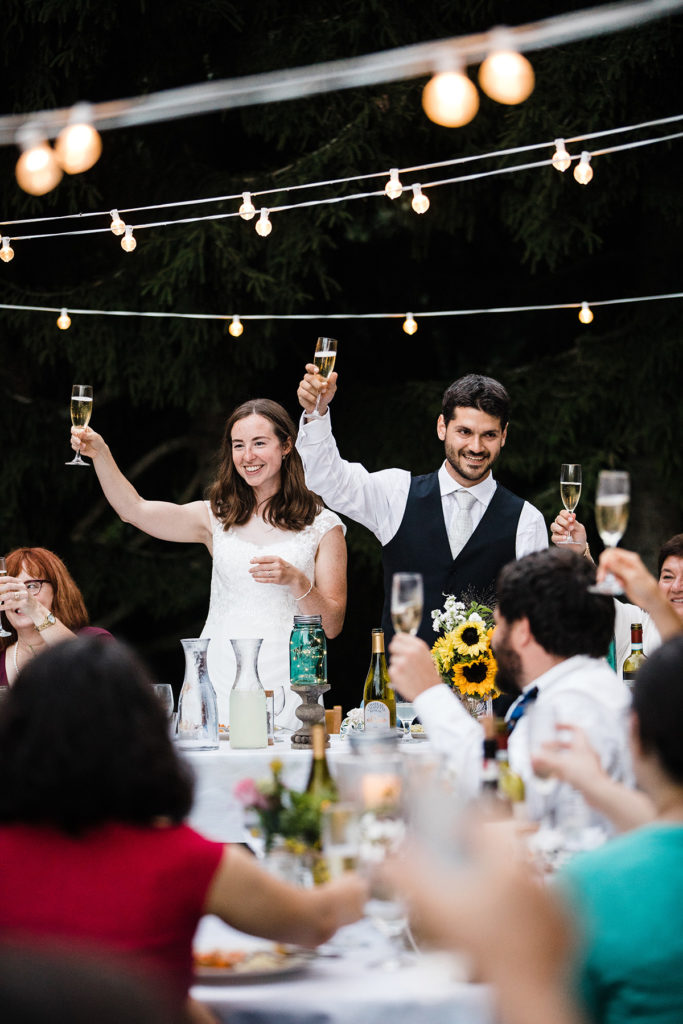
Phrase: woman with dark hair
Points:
(277, 552)
(42, 607)
(93, 848)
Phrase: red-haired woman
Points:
(42, 607)
(277, 552)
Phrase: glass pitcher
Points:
(197, 707)
(248, 717)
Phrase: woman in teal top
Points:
(627, 897)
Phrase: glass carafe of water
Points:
(197, 707)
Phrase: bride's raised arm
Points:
(162, 519)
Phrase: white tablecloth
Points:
(215, 812)
(346, 988)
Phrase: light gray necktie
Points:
(461, 521)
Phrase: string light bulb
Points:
(37, 169)
(117, 227)
(247, 210)
(128, 243)
(449, 98)
(236, 327)
(393, 187)
(64, 321)
(79, 145)
(263, 225)
(585, 313)
(507, 76)
(583, 172)
(7, 252)
(561, 159)
(419, 202)
(410, 324)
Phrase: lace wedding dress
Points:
(241, 607)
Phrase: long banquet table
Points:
(340, 986)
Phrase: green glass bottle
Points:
(320, 783)
(379, 699)
(636, 657)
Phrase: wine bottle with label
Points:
(379, 699)
(320, 784)
(636, 657)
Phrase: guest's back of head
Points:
(550, 589)
(83, 740)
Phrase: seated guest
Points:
(93, 847)
(550, 639)
(669, 577)
(42, 607)
(626, 895)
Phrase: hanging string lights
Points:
(117, 227)
(506, 76)
(585, 313)
(419, 202)
(263, 225)
(128, 242)
(393, 187)
(561, 159)
(6, 252)
(78, 146)
(37, 169)
(236, 326)
(410, 324)
(583, 172)
(450, 99)
(247, 210)
(64, 321)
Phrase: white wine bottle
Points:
(636, 657)
(320, 784)
(379, 699)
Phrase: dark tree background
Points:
(606, 394)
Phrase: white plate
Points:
(244, 973)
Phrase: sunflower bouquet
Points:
(463, 653)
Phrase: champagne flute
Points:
(570, 490)
(611, 516)
(3, 572)
(324, 357)
(406, 601)
(81, 410)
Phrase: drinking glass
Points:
(164, 695)
(324, 357)
(3, 572)
(570, 490)
(339, 828)
(81, 410)
(406, 601)
(381, 834)
(611, 516)
(407, 715)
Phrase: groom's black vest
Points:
(421, 545)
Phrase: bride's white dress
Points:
(241, 607)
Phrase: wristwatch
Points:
(49, 620)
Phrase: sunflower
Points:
(470, 638)
(476, 678)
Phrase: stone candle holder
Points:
(309, 713)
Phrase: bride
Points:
(277, 552)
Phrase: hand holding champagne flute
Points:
(3, 572)
(324, 357)
(406, 602)
(611, 516)
(570, 490)
(81, 410)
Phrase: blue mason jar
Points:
(307, 651)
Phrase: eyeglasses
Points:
(34, 586)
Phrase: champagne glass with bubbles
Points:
(324, 357)
(570, 490)
(3, 572)
(612, 501)
(81, 410)
(406, 601)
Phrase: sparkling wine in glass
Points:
(612, 501)
(3, 572)
(324, 357)
(570, 490)
(81, 410)
(406, 601)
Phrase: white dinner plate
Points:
(257, 966)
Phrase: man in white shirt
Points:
(455, 526)
(550, 640)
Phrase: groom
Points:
(456, 526)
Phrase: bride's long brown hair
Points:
(232, 499)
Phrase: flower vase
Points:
(476, 706)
